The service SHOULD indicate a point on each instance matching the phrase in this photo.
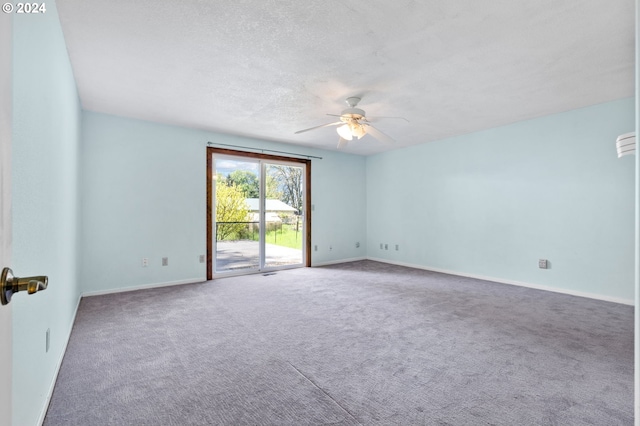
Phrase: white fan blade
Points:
(379, 117)
(317, 127)
(378, 134)
(342, 143)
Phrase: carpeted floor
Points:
(358, 343)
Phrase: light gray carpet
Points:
(357, 343)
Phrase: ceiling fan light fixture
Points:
(345, 132)
(353, 123)
(358, 130)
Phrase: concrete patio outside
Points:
(244, 254)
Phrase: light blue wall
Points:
(492, 203)
(488, 204)
(143, 195)
(46, 135)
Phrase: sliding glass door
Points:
(259, 218)
(283, 210)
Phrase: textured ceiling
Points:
(268, 68)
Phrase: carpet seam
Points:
(324, 392)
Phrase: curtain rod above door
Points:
(244, 148)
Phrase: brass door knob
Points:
(10, 285)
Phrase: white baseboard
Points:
(58, 366)
(510, 282)
(335, 262)
(143, 287)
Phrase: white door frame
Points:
(6, 345)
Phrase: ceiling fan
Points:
(354, 123)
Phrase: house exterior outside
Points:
(275, 210)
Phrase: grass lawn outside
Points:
(285, 236)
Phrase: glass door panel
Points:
(237, 209)
(283, 215)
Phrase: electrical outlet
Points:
(397, 247)
(357, 245)
(202, 258)
(165, 261)
(386, 246)
(543, 264)
(315, 248)
(381, 246)
(145, 262)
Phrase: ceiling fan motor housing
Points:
(352, 114)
